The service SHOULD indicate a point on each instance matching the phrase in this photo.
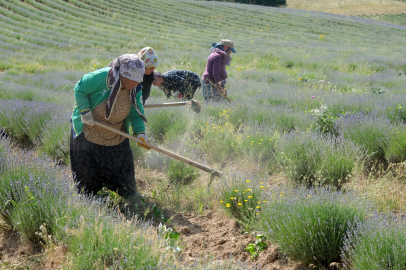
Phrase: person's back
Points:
(215, 70)
(183, 82)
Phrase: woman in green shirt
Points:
(98, 156)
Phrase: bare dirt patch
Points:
(18, 254)
(217, 235)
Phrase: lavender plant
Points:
(24, 120)
(396, 147)
(310, 158)
(55, 134)
(368, 131)
(375, 243)
(102, 239)
(310, 224)
(32, 196)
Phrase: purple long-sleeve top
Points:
(215, 69)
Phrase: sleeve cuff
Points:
(138, 134)
(85, 111)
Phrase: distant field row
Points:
(266, 38)
(399, 19)
(351, 7)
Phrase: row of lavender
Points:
(318, 226)
(308, 131)
(39, 201)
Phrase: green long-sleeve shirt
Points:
(92, 90)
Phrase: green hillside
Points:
(103, 29)
(399, 19)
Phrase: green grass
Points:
(181, 173)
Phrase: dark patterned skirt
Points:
(210, 93)
(96, 166)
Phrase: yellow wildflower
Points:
(231, 198)
(258, 206)
(239, 203)
(228, 205)
(249, 197)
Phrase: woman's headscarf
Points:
(219, 48)
(129, 66)
(149, 57)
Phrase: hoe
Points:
(213, 172)
(194, 104)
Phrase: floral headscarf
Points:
(219, 48)
(156, 74)
(149, 57)
(129, 66)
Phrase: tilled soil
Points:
(219, 236)
(18, 254)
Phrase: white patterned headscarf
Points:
(149, 57)
(129, 66)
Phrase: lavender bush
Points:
(310, 224)
(396, 148)
(24, 120)
(377, 243)
(310, 158)
(30, 195)
(103, 239)
(41, 203)
(369, 131)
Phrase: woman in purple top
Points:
(214, 78)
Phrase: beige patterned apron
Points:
(121, 110)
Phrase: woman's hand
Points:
(87, 118)
(222, 91)
(144, 139)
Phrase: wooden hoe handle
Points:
(163, 151)
(167, 104)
